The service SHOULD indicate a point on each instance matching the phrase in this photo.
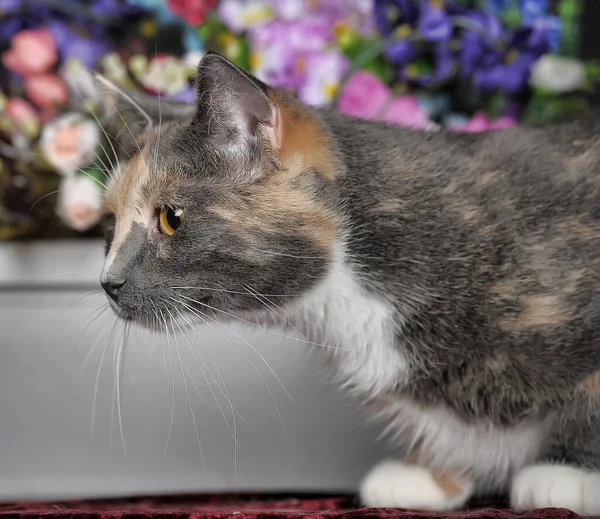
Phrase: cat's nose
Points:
(112, 288)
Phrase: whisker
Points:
(233, 316)
(198, 314)
(172, 384)
(257, 296)
(225, 393)
(97, 382)
(119, 376)
(100, 311)
(42, 197)
(228, 291)
(90, 353)
(187, 392)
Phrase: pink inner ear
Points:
(274, 130)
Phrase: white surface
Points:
(46, 398)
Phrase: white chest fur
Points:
(358, 328)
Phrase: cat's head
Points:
(222, 204)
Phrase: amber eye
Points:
(169, 220)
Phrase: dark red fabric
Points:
(249, 507)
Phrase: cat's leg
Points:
(560, 486)
(397, 484)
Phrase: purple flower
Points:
(533, 9)
(477, 41)
(71, 45)
(509, 73)
(401, 52)
(444, 62)
(185, 96)
(324, 71)
(389, 14)
(434, 23)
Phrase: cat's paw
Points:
(557, 486)
(393, 484)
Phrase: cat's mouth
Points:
(162, 318)
(121, 312)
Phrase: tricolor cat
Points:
(455, 278)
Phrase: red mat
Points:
(249, 507)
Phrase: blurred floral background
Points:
(470, 65)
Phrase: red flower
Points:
(192, 11)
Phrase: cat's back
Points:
(494, 240)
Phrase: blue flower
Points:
(434, 23)
(389, 14)
(444, 62)
(533, 9)
(482, 33)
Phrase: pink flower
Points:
(481, 123)
(23, 116)
(363, 95)
(79, 202)
(70, 142)
(46, 90)
(366, 96)
(406, 111)
(31, 52)
(192, 11)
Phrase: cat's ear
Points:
(127, 115)
(234, 109)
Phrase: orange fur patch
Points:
(303, 135)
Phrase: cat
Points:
(453, 279)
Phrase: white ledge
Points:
(51, 263)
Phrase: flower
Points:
(79, 202)
(240, 15)
(363, 95)
(31, 52)
(46, 90)
(406, 111)
(192, 11)
(434, 22)
(476, 44)
(165, 74)
(113, 68)
(192, 59)
(70, 142)
(71, 44)
(23, 116)
(366, 96)
(557, 73)
(323, 74)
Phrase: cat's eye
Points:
(169, 220)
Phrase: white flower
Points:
(192, 59)
(239, 15)
(80, 82)
(114, 69)
(69, 142)
(557, 73)
(79, 202)
(167, 75)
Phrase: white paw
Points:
(393, 484)
(556, 486)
